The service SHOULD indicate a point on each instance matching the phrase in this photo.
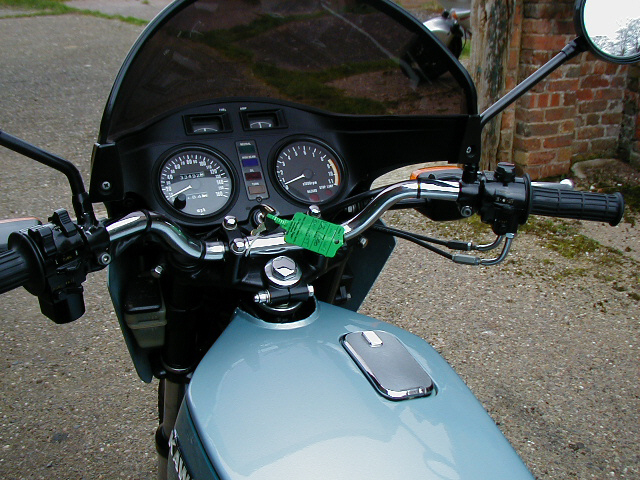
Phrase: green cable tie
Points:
(312, 233)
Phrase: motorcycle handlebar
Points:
(14, 270)
(599, 207)
(548, 201)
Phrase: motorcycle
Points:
(235, 159)
(453, 26)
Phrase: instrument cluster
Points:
(229, 159)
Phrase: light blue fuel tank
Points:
(274, 402)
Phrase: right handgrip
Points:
(599, 207)
(14, 270)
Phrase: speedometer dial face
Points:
(196, 182)
(309, 172)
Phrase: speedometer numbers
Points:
(196, 182)
(308, 172)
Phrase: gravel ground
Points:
(548, 344)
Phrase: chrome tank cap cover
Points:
(388, 365)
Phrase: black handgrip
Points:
(599, 207)
(14, 270)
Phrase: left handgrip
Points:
(14, 270)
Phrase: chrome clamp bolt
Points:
(104, 259)
(230, 222)
(282, 271)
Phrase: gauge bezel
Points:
(164, 158)
(286, 142)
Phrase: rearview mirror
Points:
(611, 28)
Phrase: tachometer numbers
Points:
(308, 172)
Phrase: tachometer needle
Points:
(189, 187)
(306, 174)
(294, 179)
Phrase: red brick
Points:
(543, 100)
(586, 133)
(508, 120)
(568, 126)
(611, 68)
(536, 25)
(604, 145)
(529, 115)
(594, 81)
(555, 100)
(534, 172)
(586, 68)
(573, 71)
(584, 94)
(608, 94)
(543, 42)
(618, 82)
(611, 118)
(540, 158)
(580, 146)
(528, 100)
(527, 144)
(612, 131)
(560, 113)
(554, 169)
(570, 98)
(563, 27)
(514, 59)
(563, 85)
(557, 142)
(544, 129)
(593, 119)
(564, 155)
(594, 106)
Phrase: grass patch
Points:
(466, 50)
(563, 237)
(57, 7)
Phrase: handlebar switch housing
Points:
(59, 251)
(504, 200)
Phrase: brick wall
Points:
(629, 145)
(578, 111)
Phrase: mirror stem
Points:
(80, 198)
(572, 49)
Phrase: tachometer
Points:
(309, 172)
(196, 182)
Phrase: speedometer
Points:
(309, 172)
(196, 182)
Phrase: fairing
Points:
(341, 56)
(286, 401)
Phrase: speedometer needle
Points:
(181, 191)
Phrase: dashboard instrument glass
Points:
(196, 182)
(309, 172)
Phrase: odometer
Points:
(196, 182)
(309, 172)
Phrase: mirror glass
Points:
(613, 27)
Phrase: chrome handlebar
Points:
(255, 246)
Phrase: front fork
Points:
(170, 396)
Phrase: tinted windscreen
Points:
(341, 56)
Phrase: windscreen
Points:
(341, 56)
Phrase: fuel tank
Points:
(274, 401)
